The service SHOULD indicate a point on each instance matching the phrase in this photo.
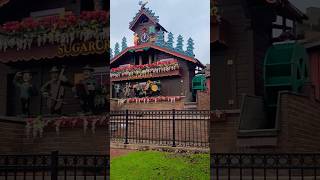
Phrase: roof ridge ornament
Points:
(143, 3)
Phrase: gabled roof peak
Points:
(147, 12)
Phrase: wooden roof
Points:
(149, 14)
(287, 9)
(153, 46)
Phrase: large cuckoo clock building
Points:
(53, 42)
(153, 71)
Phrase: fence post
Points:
(173, 128)
(54, 165)
(127, 127)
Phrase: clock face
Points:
(145, 37)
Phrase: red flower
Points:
(11, 26)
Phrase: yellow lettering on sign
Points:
(99, 46)
(91, 46)
(61, 50)
(67, 50)
(84, 48)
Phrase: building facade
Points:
(152, 70)
(59, 37)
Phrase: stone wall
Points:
(223, 133)
(11, 136)
(298, 121)
(70, 140)
(203, 100)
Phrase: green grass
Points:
(151, 165)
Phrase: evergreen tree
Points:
(170, 40)
(124, 43)
(160, 38)
(111, 53)
(179, 46)
(116, 49)
(190, 47)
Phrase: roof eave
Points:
(193, 60)
(293, 12)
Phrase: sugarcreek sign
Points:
(84, 48)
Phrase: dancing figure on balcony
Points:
(22, 80)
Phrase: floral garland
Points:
(54, 29)
(171, 99)
(146, 69)
(38, 124)
(84, 121)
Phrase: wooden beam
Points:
(140, 60)
(278, 26)
(150, 59)
(284, 23)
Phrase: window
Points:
(87, 5)
(280, 24)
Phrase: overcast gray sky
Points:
(190, 18)
(303, 4)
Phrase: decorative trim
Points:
(160, 68)
(150, 45)
(146, 100)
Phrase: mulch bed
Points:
(119, 152)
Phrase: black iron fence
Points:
(54, 166)
(161, 127)
(265, 166)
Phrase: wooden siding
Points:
(242, 60)
(40, 71)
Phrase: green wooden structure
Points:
(285, 68)
(199, 82)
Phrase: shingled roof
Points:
(148, 13)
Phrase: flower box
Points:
(54, 30)
(170, 99)
(157, 69)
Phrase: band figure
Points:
(54, 89)
(22, 80)
(86, 90)
(136, 39)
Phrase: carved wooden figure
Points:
(22, 80)
(54, 90)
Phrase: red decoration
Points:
(157, 69)
(133, 67)
(54, 22)
(153, 99)
(70, 122)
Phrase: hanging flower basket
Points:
(170, 99)
(156, 69)
(36, 125)
(54, 30)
